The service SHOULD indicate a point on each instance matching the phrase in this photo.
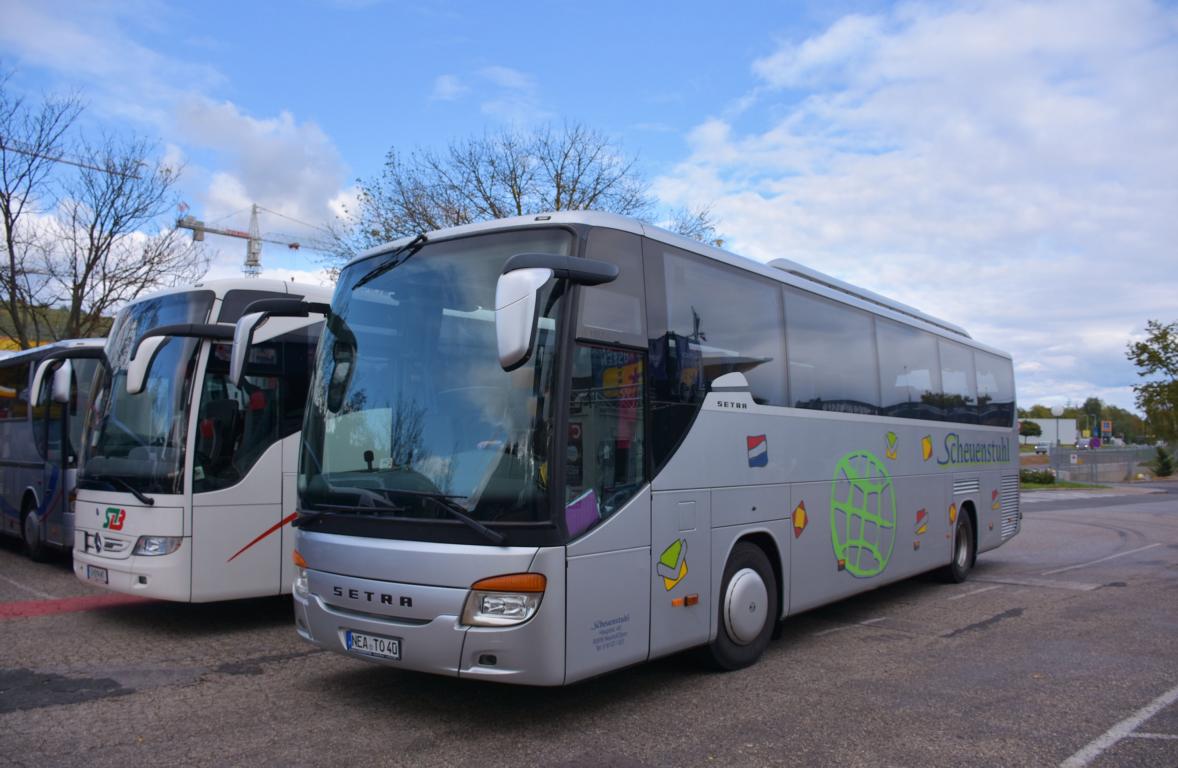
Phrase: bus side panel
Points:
(290, 500)
(608, 601)
(680, 566)
(236, 545)
(607, 612)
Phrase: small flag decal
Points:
(758, 450)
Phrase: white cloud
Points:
(513, 96)
(290, 167)
(448, 88)
(1008, 166)
(284, 164)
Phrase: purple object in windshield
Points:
(581, 513)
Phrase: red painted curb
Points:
(25, 609)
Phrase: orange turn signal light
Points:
(513, 582)
(298, 559)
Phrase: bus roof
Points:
(781, 270)
(37, 353)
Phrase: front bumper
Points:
(433, 639)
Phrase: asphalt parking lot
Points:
(1062, 649)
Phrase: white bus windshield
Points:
(140, 439)
(410, 411)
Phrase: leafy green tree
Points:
(1163, 463)
(1157, 357)
(1029, 429)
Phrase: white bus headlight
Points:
(300, 586)
(152, 546)
(503, 601)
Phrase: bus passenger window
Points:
(605, 455)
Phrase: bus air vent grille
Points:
(966, 486)
(1011, 518)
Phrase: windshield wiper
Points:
(375, 502)
(395, 259)
(120, 483)
(448, 504)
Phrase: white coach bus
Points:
(187, 484)
(542, 448)
(40, 438)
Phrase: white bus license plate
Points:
(374, 645)
(96, 574)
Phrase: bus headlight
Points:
(503, 601)
(152, 546)
(300, 586)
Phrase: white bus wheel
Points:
(747, 610)
(959, 567)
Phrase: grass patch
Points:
(1058, 485)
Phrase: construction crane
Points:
(253, 238)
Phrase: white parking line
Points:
(1121, 730)
(866, 623)
(1101, 560)
(975, 592)
(26, 588)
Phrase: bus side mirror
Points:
(140, 364)
(243, 337)
(516, 311)
(516, 314)
(62, 378)
(255, 314)
(38, 380)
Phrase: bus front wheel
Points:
(748, 608)
(31, 532)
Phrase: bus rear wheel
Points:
(959, 567)
(30, 526)
(748, 608)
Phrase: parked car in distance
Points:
(1042, 447)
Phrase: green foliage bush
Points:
(1037, 476)
(1163, 463)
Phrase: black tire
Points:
(964, 549)
(739, 644)
(30, 533)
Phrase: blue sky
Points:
(1010, 166)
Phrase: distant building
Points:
(1055, 431)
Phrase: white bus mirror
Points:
(140, 364)
(38, 380)
(515, 314)
(62, 378)
(243, 337)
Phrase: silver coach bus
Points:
(40, 440)
(542, 448)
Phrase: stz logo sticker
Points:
(758, 451)
(114, 518)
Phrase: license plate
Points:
(96, 574)
(373, 645)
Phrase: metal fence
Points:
(1103, 465)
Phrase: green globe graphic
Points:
(862, 514)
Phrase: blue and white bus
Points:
(542, 448)
(40, 441)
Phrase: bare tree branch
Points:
(31, 138)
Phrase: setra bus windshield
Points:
(139, 439)
(412, 424)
